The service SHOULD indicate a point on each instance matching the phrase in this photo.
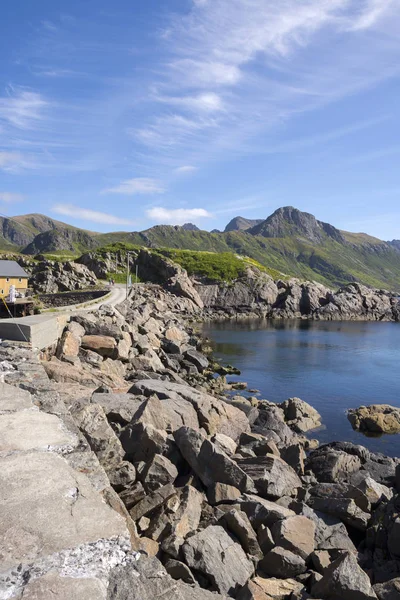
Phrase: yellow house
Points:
(12, 274)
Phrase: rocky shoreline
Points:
(127, 472)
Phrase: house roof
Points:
(10, 268)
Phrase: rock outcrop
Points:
(377, 418)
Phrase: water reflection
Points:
(332, 365)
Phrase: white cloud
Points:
(22, 108)
(86, 214)
(242, 67)
(139, 185)
(14, 162)
(205, 102)
(185, 169)
(10, 197)
(201, 73)
(177, 216)
(49, 26)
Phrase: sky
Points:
(127, 114)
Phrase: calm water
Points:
(333, 366)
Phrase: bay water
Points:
(331, 365)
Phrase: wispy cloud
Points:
(185, 169)
(14, 162)
(177, 216)
(49, 26)
(139, 185)
(22, 108)
(10, 197)
(242, 67)
(86, 214)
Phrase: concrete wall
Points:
(40, 331)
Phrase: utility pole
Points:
(127, 273)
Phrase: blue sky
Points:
(119, 116)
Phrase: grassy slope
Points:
(363, 258)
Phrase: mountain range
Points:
(290, 241)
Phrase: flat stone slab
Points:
(13, 398)
(46, 507)
(64, 588)
(34, 430)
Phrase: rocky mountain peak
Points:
(190, 227)
(241, 224)
(291, 222)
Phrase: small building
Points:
(12, 274)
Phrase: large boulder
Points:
(296, 534)
(215, 416)
(222, 561)
(300, 416)
(377, 418)
(210, 464)
(344, 579)
(271, 475)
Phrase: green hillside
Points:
(289, 241)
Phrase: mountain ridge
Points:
(289, 241)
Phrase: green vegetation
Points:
(224, 266)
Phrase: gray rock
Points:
(151, 502)
(271, 475)
(210, 465)
(340, 491)
(215, 416)
(344, 579)
(158, 472)
(53, 586)
(198, 359)
(331, 466)
(214, 554)
(296, 534)
(345, 509)
(148, 580)
(47, 507)
(282, 563)
(239, 525)
(93, 423)
(389, 590)
(263, 512)
(122, 476)
(179, 571)
(218, 493)
(374, 491)
(300, 416)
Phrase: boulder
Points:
(300, 416)
(222, 561)
(270, 589)
(158, 472)
(152, 501)
(331, 466)
(295, 534)
(209, 464)
(215, 416)
(93, 423)
(219, 493)
(390, 590)
(198, 359)
(147, 579)
(345, 509)
(271, 475)
(374, 491)
(377, 418)
(103, 345)
(344, 579)
(282, 563)
(238, 524)
(263, 512)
